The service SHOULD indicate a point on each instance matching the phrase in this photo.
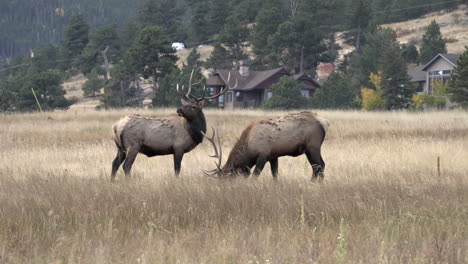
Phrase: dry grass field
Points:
(382, 200)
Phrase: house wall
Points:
(439, 65)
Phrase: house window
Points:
(269, 94)
(440, 76)
(239, 97)
(228, 97)
(305, 93)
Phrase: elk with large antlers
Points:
(174, 134)
(268, 139)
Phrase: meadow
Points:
(395, 191)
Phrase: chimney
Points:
(244, 68)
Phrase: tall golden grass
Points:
(383, 200)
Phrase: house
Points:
(439, 68)
(253, 87)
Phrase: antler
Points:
(217, 154)
(222, 92)
(186, 96)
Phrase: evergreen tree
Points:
(122, 90)
(298, 44)
(8, 93)
(234, 36)
(335, 93)
(103, 49)
(266, 24)
(166, 95)
(396, 88)
(458, 88)
(359, 17)
(286, 94)
(76, 38)
(48, 89)
(362, 64)
(163, 13)
(199, 28)
(151, 55)
(219, 59)
(432, 43)
(46, 58)
(410, 53)
(93, 84)
(217, 14)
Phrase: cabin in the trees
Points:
(253, 87)
(438, 69)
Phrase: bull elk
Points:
(268, 139)
(174, 134)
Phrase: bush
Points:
(286, 94)
(422, 100)
(371, 99)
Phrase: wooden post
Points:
(37, 101)
(438, 166)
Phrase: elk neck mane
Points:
(237, 157)
(196, 126)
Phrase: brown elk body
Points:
(174, 134)
(268, 139)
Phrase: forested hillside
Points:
(26, 24)
(124, 50)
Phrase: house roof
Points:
(254, 80)
(417, 74)
(451, 58)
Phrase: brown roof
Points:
(307, 80)
(255, 79)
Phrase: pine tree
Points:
(432, 43)
(76, 38)
(335, 93)
(48, 89)
(103, 49)
(286, 94)
(266, 24)
(359, 18)
(458, 88)
(396, 88)
(93, 84)
(234, 36)
(410, 53)
(166, 95)
(122, 90)
(199, 28)
(151, 55)
(219, 59)
(163, 13)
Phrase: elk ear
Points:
(202, 103)
(184, 102)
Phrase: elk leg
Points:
(116, 163)
(274, 168)
(261, 161)
(317, 163)
(177, 162)
(128, 163)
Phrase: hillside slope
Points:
(453, 25)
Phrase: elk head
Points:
(230, 169)
(192, 105)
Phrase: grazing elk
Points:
(174, 134)
(268, 139)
